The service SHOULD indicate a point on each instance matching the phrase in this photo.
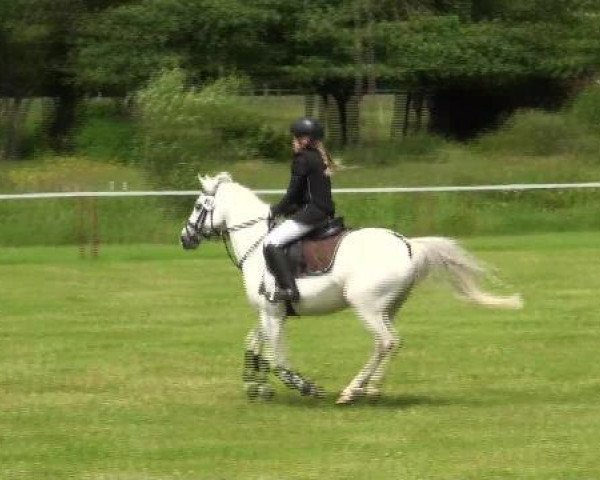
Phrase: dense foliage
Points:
(69, 49)
(183, 127)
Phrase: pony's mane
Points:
(210, 184)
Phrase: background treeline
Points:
(467, 63)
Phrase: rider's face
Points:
(298, 143)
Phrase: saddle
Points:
(314, 253)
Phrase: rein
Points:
(224, 234)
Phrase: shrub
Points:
(183, 128)
(418, 147)
(586, 109)
(106, 138)
(533, 133)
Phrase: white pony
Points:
(374, 272)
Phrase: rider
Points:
(307, 203)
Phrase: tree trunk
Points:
(338, 118)
(322, 113)
(14, 113)
(353, 120)
(309, 105)
(418, 103)
(62, 123)
(342, 106)
(334, 135)
(396, 127)
(406, 114)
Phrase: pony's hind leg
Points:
(375, 316)
(357, 387)
(373, 386)
(368, 380)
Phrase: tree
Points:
(335, 52)
(22, 55)
(37, 52)
(479, 71)
(310, 44)
(124, 46)
(479, 60)
(66, 49)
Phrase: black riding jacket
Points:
(308, 197)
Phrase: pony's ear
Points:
(209, 184)
(202, 181)
(223, 177)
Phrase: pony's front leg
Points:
(272, 326)
(254, 362)
(294, 380)
(256, 367)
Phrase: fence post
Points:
(86, 215)
(95, 236)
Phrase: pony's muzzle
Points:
(189, 240)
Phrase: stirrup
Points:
(279, 295)
(285, 295)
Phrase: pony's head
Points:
(207, 218)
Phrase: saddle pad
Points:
(318, 255)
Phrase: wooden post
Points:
(80, 225)
(95, 236)
(87, 228)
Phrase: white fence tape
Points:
(184, 193)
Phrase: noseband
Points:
(195, 229)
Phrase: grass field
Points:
(154, 220)
(128, 367)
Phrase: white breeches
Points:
(286, 232)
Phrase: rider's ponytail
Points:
(327, 160)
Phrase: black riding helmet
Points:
(307, 127)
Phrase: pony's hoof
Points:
(256, 390)
(349, 395)
(265, 391)
(319, 393)
(343, 400)
(251, 389)
(372, 393)
(312, 390)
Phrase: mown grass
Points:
(128, 367)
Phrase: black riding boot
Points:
(279, 266)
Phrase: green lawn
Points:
(158, 220)
(128, 367)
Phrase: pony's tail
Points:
(464, 270)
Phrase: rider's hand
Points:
(270, 218)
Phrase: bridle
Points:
(207, 207)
